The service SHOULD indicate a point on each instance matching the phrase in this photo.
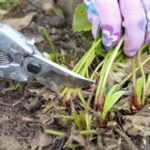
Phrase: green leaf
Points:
(100, 51)
(148, 84)
(80, 22)
(88, 119)
(54, 57)
(81, 97)
(88, 132)
(3, 1)
(3, 12)
(111, 98)
(108, 62)
(137, 68)
(57, 133)
(70, 118)
(111, 91)
(77, 121)
(139, 87)
(49, 107)
(59, 12)
(19, 86)
(10, 1)
(143, 82)
(82, 67)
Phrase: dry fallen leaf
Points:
(33, 104)
(20, 23)
(138, 124)
(45, 93)
(75, 137)
(111, 143)
(45, 140)
(41, 140)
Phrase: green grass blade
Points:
(88, 119)
(70, 118)
(77, 120)
(106, 69)
(88, 132)
(148, 84)
(139, 88)
(130, 75)
(81, 97)
(57, 133)
(143, 77)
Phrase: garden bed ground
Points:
(22, 121)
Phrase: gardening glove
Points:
(112, 15)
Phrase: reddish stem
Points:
(98, 105)
(67, 102)
(134, 103)
(103, 123)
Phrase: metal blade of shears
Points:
(61, 75)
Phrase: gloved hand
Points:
(112, 15)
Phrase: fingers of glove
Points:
(110, 21)
(92, 16)
(146, 5)
(95, 25)
(135, 25)
(94, 20)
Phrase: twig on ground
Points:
(5, 104)
(131, 145)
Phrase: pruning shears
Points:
(20, 60)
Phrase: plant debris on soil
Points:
(32, 117)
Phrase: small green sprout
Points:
(141, 86)
(109, 59)
(82, 68)
(110, 99)
(147, 60)
(56, 133)
(82, 119)
(54, 55)
(83, 122)
(88, 132)
(19, 86)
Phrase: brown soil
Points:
(22, 122)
